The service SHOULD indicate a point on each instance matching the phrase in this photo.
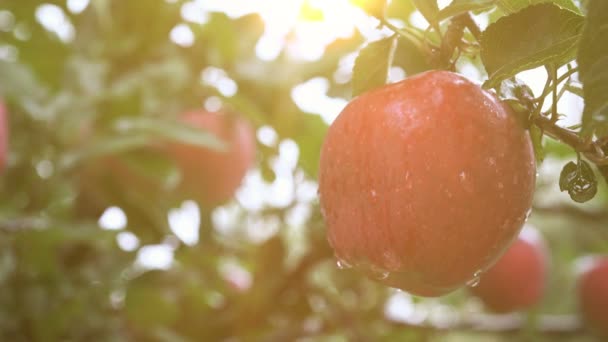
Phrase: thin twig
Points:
(554, 115)
(406, 32)
(562, 78)
(471, 25)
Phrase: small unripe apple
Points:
(593, 293)
(424, 183)
(518, 280)
(212, 177)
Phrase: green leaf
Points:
(535, 36)
(170, 130)
(429, 10)
(150, 301)
(516, 90)
(153, 165)
(310, 139)
(18, 80)
(537, 143)
(461, 6)
(604, 168)
(579, 180)
(400, 9)
(593, 66)
(310, 13)
(410, 57)
(223, 37)
(243, 105)
(103, 146)
(519, 97)
(512, 6)
(372, 65)
(374, 8)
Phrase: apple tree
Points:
(302, 170)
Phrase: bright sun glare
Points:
(311, 24)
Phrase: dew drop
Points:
(330, 240)
(475, 280)
(392, 261)
(465, 181)
(528, 213)
(463, 176)
(378, 272)
(323, 213)
(500, 185)
(373, 192)
(343, 264)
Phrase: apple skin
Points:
(425, 182)
(518, 280)
(209, 176)
(3, 135)
(592, 291)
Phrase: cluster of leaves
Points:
(521, 35)
(115, 88)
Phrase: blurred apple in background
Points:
(518, 280)
(212, 177)
(593, 292)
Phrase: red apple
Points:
(425, 182)
(518, 280)
(211, 176)
(593, 293)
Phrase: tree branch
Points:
(503, 324)
(564, 135)
(581, 214)
(20, 224)
(591, 149)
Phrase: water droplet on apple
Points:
(343, 264)
(475, 280)
(465, 181)
(372, 271)
(378, 272)
(392, 261)
(330, 240)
